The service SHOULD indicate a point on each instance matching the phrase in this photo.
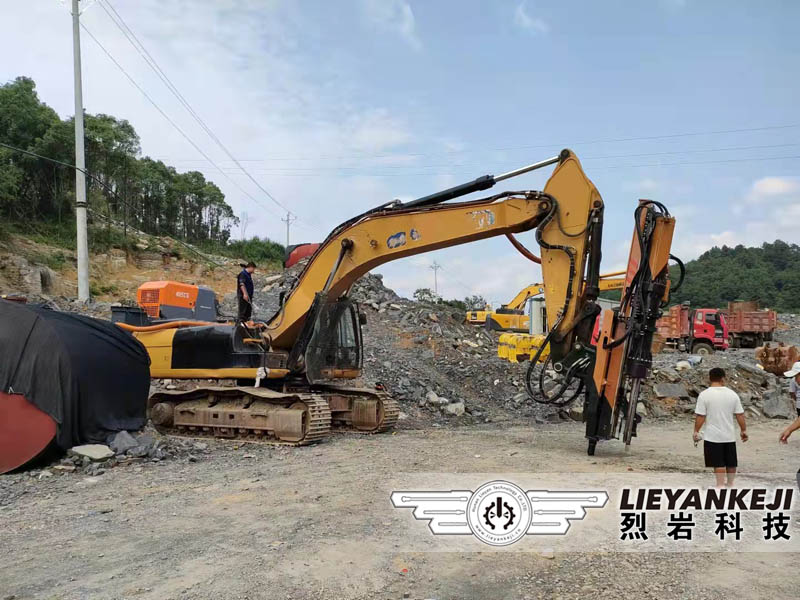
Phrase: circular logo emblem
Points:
(499, 513)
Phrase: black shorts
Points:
(245, 309)
(798, 412)
(720, 454)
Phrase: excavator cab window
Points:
(334, 350)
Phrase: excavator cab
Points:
(334, 349)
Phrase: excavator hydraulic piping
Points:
(347, 244)
(160, 326)
(532, 167)
(522, 249)
(481, 183)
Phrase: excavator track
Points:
(359, 410)
(248, 413)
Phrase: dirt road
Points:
(265, 522)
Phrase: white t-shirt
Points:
(795, 389)
(719, 405)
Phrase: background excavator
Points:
(512, 316)
(301, 359)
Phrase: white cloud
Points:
(525, 21)
(769, 210)
(771, 189)
(395, 16)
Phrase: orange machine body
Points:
(609, 362)
(176, 300)
(151, 296)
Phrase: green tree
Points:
(769, 274)
(476, 301)
(122, 187)
(426, 295)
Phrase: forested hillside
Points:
(126, 188)
(769, 274)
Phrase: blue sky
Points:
(336, 107)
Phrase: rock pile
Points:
(439, 367)
(788, 330)
(445, 371)
(677, 379)
(126, 448)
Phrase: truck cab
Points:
(709, 328)
(699, 330)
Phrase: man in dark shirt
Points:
(244, 291)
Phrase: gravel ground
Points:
(249, 522)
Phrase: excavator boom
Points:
(392, 232)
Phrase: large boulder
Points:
(434, 399)
(94, 452)
(777, 405)
(670, 390)
(122, 441)
(456, 409)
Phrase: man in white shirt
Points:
(794, 385)
(717, 408)
(794, 391)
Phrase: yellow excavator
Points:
(512, 317)
(297, 365)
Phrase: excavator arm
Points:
(396, 231)
(531, 291)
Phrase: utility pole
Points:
(80, 162)
(290, 218)
(435, 267)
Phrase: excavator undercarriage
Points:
(295, 417)
(271, 405)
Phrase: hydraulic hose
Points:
(522, 249)
(162, 326)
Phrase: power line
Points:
(594, 168)
(151, 62)
(583, 158)
(458, 282)
(171, 122)
(526, 147)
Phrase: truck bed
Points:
(674, 324)
(760, 321)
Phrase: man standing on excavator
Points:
(244, 291)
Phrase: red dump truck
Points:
(748, 326)
(695, 330)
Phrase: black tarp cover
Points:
(90, 376)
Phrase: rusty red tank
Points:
(778, 358)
